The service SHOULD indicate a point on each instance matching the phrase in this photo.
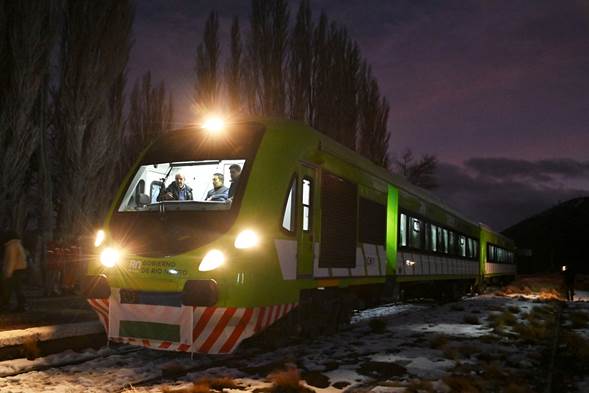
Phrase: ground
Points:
(518, 339)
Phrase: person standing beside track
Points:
(13, 271)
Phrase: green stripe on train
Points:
(150, 330)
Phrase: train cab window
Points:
(403, 229)
(288, 215)
(183, 185)
(462, 246)
(306, 202)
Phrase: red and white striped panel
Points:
(101, 308)
(215, 329)
(220, 330)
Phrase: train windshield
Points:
(205, 185)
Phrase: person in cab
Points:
(178, 190)
(219, 192)
(235, 172)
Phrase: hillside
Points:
(557, 236)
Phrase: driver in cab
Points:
(178, 190)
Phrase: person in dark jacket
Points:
(178, 190)
(569, 281)
(235, 172)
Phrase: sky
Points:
(498, 91)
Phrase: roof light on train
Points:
(212, 260)
(214, 124)
(110, 256)
(100, 235)
(246, 239)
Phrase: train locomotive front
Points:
(196, 272)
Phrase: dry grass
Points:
(547, 287)
(377, 326)
(577, 347)
(460, 383)
(498, 321)
(287, 381)
(471, 319)
(457, 307)
(218, 383)
(579, 319)
(517, 388)
(206, 385)
(188, 389)
(418, 386)
(31, 348)
(438, 341)
(514, 309)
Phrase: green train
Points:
(190, 261)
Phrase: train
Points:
(311, 231)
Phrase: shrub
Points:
(471, 319)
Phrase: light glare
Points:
(212, 260)
(110, 257)
(99, 238)
(214, 124)
(246, 239)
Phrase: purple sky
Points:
(499, 91)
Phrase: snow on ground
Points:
(476, 343)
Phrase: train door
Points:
(306, 227)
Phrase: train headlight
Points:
(212, 260)
(100, 235)
(214, 124)
(246, 239)
(110, 257)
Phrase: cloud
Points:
(540, 170)
(502, 192)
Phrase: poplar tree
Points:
(373, 138)
(206, 88)
(150, 114)
(300, 62)
(94, 51)
(267, 51)
(27, 35)
(233, 69)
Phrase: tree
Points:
(300, 62)
(421, 172)
(233, 73)
(206, 88)
(373, 138)
(266, 57)
(150, 114)
(27, 34)
(94, 51)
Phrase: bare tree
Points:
(150, 114)
(373, 138)
(206, 89)
(27, 35)
(300, 62)
(233, 72)
(94, 51)
(419, 172)
(266, 57)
